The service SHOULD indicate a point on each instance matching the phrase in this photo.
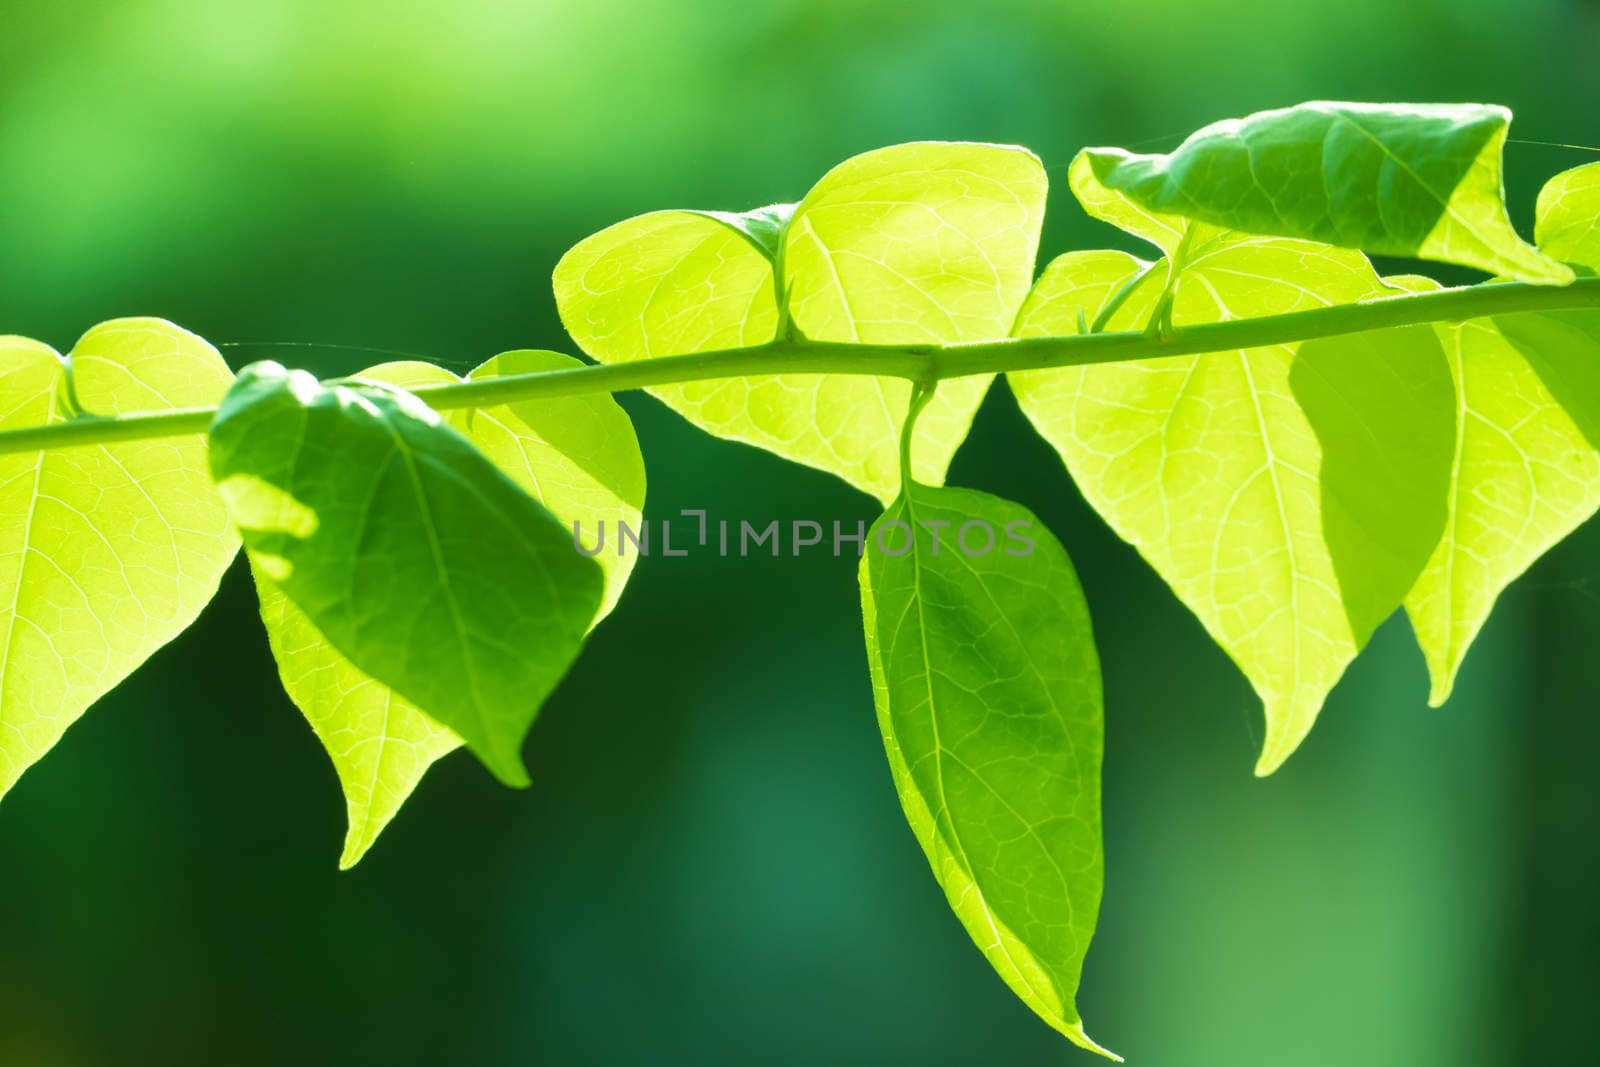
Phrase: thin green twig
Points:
(920, 363)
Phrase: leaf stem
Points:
(1118, 298)
(917, 363)
(921, 393)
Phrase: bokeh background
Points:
(711, 867)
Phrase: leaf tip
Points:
(1277, 750)
(356, 844)
(1287, 726)
(508, 769)
(1443, 664)
(1075, 1033)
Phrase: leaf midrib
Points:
(938, 757)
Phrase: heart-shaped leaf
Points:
(420, 562)
(1290, 501)
(107, 551)
(915, 244)
(579, 457)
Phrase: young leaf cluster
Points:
(1296, 444)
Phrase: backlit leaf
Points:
(914, 244)
(1527, 468)
(762, 226)
(107, 552)
(1568, 226)
(576, 455)
(1419, 180)
(1289, 502)
(381, 744)
(1525, 475)
(422, 563)
(988, 694)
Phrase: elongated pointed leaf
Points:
(914, 244)
(1290, 503)
(988, 694)
(107, 552)
(423, 564)
(1419, 180)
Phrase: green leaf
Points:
(1525, 475)
(1417, 180)
(381, 744)
(423, 564)
(988, 694)
(1527, 466)
(1568, 213)
(1289, 502)
(578, 457)
(1563, 348)
(663, 284)
(1382, 407)
(1100, 201)
(762, 226)
(926, 243)
(107, 552)
(914, 244)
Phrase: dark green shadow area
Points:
(1382, 406)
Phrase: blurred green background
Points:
(712, 867)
